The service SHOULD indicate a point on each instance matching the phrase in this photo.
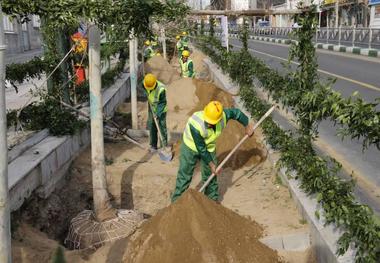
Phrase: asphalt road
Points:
(353, 73)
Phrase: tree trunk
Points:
(102, 205)
(5, 226)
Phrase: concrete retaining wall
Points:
(323, 238)
(41, 163)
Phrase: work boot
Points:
(152, 149)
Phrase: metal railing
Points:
(342, 36)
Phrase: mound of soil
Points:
(197, 58)
(181, 95)
(158, 66)
(207, 91)
(196, 229)
(250, 152)
(30, 245)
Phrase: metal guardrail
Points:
(342, 36)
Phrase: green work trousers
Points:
(153, 130)
(187, 161)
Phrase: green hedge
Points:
(319, 176)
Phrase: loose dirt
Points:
(196, 229)
(158, 66)
(197, 58)
(251, 151)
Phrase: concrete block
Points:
(85, 137)
(356, 50)
(75, 143)
(288, 242)
(28, 143)
(55, 182)
(373, 53)
(364, 51)
(24, 188)
(325, 46)
(30, 159)
(274, 242)
(48, 167)
(336, 48)
(64, 151)
(296, 242)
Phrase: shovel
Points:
(119, 130)
(235, 148)
(165, 153)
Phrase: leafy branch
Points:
(311, 104)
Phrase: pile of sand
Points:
(197, 58)
(164, 72)
(196, 229)
(250, 152)
(180, 95)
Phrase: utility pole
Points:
(133, 77)
(336, 13)
(5, 226)
(102, 206)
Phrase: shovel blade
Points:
(166, 155)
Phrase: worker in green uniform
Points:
(199, 143)
(148, 51)
(179, 46)
(154, 42)
(156, 93)
(185, 41)
(186, 64)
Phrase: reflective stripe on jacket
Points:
(154, 96)
(209, 134)
(185, 68)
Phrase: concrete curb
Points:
(344, 49)
(289, 242)
(323, 238)
(42, 167)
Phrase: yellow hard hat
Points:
(213, 112)
(184, 33)
(177, 37)
(147, 43)
(186, 53)
(150, 81)
(158, 54)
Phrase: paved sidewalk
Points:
(344, 49)
(24, 96)
(22, 57)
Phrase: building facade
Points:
(374, 13)
(198, 4)
(21, 38)
(239, 4)
(351, 13)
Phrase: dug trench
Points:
(254, 203)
